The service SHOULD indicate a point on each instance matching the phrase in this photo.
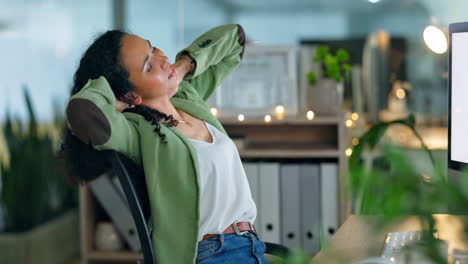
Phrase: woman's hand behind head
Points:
(120, 106)
(183, 66)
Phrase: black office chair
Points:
(137, 197)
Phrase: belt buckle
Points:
(236, 229)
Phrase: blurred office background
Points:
(41, 41)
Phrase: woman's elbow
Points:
(88, 122)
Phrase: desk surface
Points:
(357, 239)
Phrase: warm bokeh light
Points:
(348, 152)
(279, 109)
(310, 115)
(349, 123)
(435, 39)
(355, 116)
(400, 93)
(241, 117)
(214, 111)
(268, 118)
(279, 112)
(355, 141)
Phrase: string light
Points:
(279, 109)
(355, 141)
(268, 118)
(355, 116)
(310, 115)
(349, 123)
(400, 93)
(241, 117)
(279, 112)
(214, 111)
(348, 152)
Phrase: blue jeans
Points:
(232, 248)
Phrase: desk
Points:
(356, 239)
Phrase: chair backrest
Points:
(133, 183)
(134, 187)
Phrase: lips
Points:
(173, 73)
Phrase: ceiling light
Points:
(435, 39)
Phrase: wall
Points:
(45, 38)
(40, 48)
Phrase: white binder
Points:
(117, 208)
(311, 207)
(118, 187)
(290, 206)
(270, 201)
(251, 171)
(329, 180)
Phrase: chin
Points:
(173, 92)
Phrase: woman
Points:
(128, 97)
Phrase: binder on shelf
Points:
(117, 208)
(270, 201)
(118, 187)
(310, 207)
(290, 205)
(251, 170)
(329, 180)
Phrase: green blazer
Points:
(171, 170)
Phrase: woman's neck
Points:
(163, 105)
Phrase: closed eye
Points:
(150, 66)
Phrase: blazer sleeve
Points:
(92, 117)
(216, 53)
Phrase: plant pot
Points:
(53, 242)
(326, 97)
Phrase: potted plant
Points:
(41, 224)
(327, 83)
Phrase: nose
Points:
(163, 61)
(165, 65)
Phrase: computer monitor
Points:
(458, 101)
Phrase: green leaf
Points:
(375, 134)
(330, 60)
(342, 55)
(347, 67)
(32, 116)
(312, 78)
(322, 52)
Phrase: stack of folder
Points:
(297, 203)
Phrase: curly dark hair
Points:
(81, 162)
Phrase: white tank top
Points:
(225, 195)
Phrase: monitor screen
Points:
(459, 98)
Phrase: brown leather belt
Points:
(239, 228)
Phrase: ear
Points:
(133, 98)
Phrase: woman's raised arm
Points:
(216, 54)
(92, 117)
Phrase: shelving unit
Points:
(287, 139)
(88, 220)
(296, 137)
